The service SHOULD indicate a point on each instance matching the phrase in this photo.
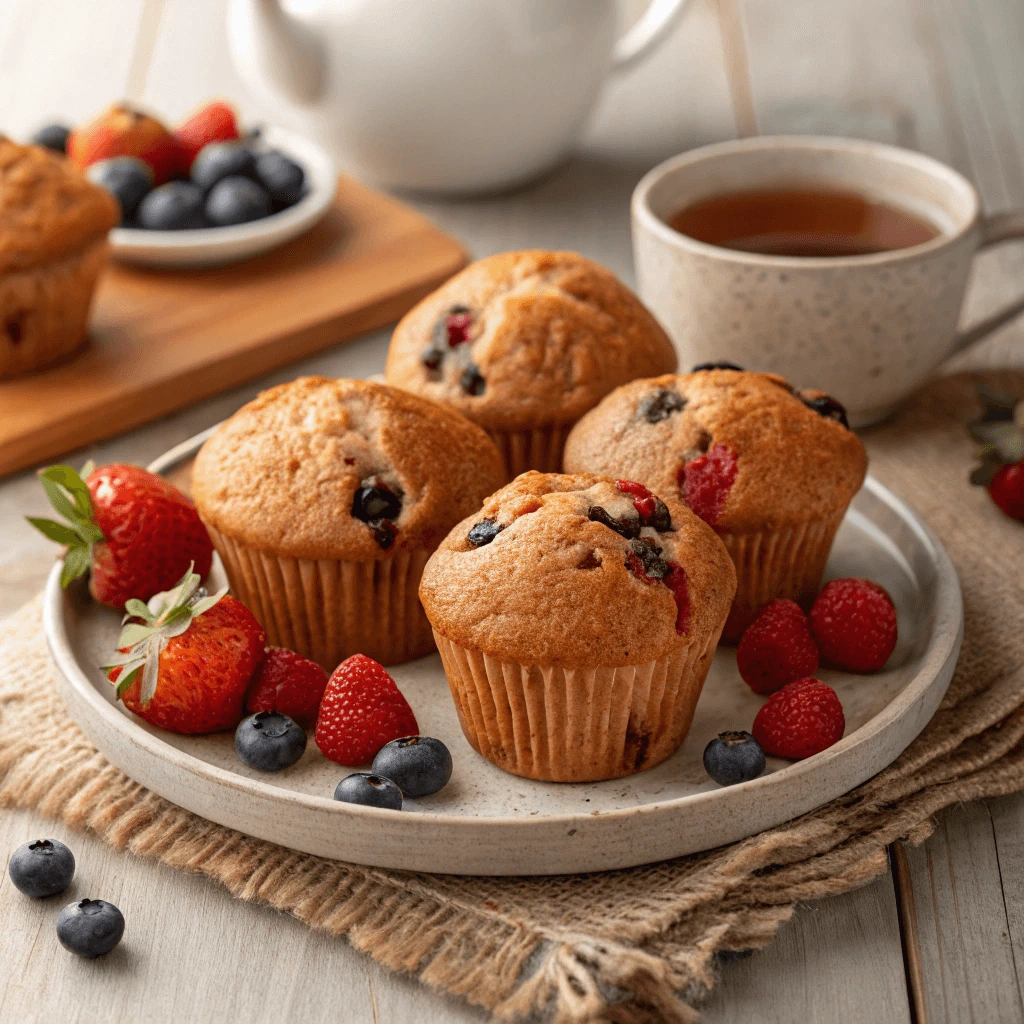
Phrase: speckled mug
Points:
(869, 330)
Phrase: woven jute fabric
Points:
(625, 946)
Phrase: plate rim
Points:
(938, 659)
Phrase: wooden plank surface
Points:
(836, 960)
(927, 73)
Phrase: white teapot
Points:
(439, 95)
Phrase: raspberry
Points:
(458, 327)
(649, 507)
(803, 718)
(854, 622)
(777, 648)
(1006, 489)
(362, 709)
(676, 581)
(705, 482)
(288, 683)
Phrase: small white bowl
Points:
(213, 247)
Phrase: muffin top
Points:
(527, 339)
(744, 450)
(342, 469)
(578, 571)
(47, 208)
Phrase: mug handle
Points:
(654, 24)
(1002, 227)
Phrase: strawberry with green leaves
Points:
(186, 659)
(136, 532)
(1000, 431)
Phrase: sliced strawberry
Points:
(216, 122)
(288, 683)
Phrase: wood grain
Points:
(835, 961)
(968, 968)
(162, 339)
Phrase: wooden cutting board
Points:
(161, 340)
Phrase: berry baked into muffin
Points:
(324, 499)
(771, 469)
(53, 246)
(577, 618)
(524, 343)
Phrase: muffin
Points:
(524, 343)
(771, 469)
(53, 246)
(324, 499)
(577, 621)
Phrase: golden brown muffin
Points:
(577, 623)
(324, 499)
(524, 343)
(772, 470)
(53, 246)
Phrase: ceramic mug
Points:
(867, 329)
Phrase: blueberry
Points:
(237, 200)
(219, 160)
(126, 178)
(384, 532)
(661, 518)
(284, 179)
(375, 502)
(176, 206)
(484, 532)
(42, 868)
(53, 136)
(660, 405)
(471, 380)
(432, 358)
(654, 566)
(90, 928)
(269, 741)
(826, 406)
(418, 765)
(369, 790)
(733, 757)
(628, 527)
(716, 366)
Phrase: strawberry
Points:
(705, 482)
(289, 683)
(134, 530)
(187, 665)
(854, 623)
(1000, 430)
(776, 648)
(803, 718)
(362, 709)
(216, 122)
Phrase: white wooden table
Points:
(937, 939)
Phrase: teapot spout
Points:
(277, 50)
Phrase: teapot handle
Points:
(655, 23)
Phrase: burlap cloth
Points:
(625, 946)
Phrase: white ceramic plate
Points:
(488, 822)
(211, 247)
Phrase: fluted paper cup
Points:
(329, 609)
(575, 725)
(539, 449)
(777, 563)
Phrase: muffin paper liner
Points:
(532, 449)
(575, 725)
(780, 563)
(329, 609)
(44, 310)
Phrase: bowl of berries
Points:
(204, 194)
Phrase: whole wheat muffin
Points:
(524, 343)
(324, 499)
(53, 246)
(771, 469)
(577, 619)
